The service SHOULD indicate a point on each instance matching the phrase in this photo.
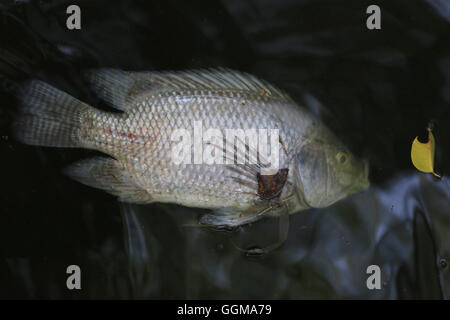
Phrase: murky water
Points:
(376, 89)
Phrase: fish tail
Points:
(50, 117)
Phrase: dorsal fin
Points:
(117, 87)
(120, 88)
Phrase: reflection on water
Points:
(401, 227)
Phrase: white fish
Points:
(316, 169)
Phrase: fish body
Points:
(140, 141)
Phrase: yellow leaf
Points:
(422, 154)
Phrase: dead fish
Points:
(315, 168)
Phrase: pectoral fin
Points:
(231, 217)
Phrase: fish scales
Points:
(150, 123)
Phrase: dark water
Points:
(377, 91)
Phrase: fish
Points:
(314, 168)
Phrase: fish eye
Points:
(342, 157)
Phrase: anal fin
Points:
(108, 174)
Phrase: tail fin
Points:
(49, 117)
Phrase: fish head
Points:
(329, 172)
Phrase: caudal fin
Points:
(49, 117)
